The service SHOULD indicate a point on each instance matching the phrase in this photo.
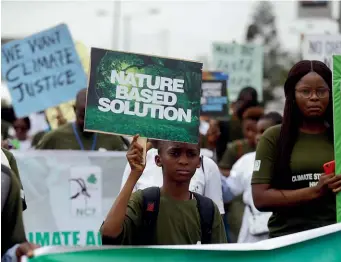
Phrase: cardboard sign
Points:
(321, 47)
(42, 70)
(337, 124)
(243, 64)
(151, 96)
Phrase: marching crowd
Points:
(258, 175)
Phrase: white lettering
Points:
(104, 104)
(120, 108)
(178, 85)
(142, 110)
(115, 77)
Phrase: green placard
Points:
(152, 96)
(337, 123)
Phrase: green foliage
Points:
(277, 63)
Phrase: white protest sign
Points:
(321, 47)
(243, 64)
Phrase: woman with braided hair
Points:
(288, 177)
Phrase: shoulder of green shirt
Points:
(266, 155)
(14, 232)
(50, 136)
(272, 133)
(12, 162)
(14, 168)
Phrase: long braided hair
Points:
(292, 115)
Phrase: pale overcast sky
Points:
(182, 29)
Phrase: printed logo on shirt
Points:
(311, 178)
(256, 166)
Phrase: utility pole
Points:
(164, 41)
(126, 32)
(339, 19)
(116, 25)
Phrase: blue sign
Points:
(214, 101)
(42, 70)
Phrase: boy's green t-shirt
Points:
(178, 222)
(309, 154)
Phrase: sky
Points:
(182, 29)
(179, 29)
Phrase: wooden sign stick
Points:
(142, 141)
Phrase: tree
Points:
(263, 31)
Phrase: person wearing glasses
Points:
(288, 176)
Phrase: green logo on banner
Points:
(92, 179)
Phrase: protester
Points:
(22, 127)
(254, 225)
(247, 98)
(235, 209)
(13, 240)
(73, 137)
(213, 135)
(178, 220)
(238, 148)
(8, 159)
(7, 119)
(288, 177)
(205, 181)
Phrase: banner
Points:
(68, 194)
(42, 70)
(243, 64)
(337, 124)
(132, 94)
(321, 47)
(322, 245)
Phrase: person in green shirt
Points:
(288, 177)
(72, 136)
(238, 148)
(8, 158)
(247, 97)
(13, 239)
(234, 210)
(178, 220)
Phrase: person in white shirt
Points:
(206, 180)
(254, 225)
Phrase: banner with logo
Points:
(337, 123)
(322, 245)
(155, 97)
(243, 64)
(321, 47)
(68, 194)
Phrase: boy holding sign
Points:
(158, 98)
(134, 221)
